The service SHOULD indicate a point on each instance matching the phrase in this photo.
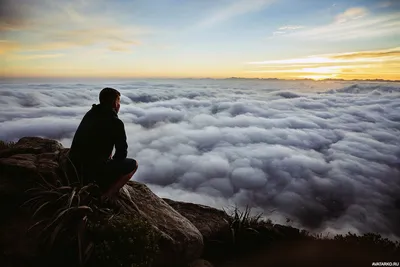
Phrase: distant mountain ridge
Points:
(307, 79)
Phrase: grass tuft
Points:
(242, 222)
(63, 213)
(74, 224)
(6, 145)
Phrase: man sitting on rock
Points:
(91, 150)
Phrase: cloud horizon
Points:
(326, 155)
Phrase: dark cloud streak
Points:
(13, 14)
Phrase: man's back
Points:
(99, 131)
(96, 136)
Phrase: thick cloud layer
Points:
(324, 154)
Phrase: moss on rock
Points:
(122, 241)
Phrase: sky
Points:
(290, 39)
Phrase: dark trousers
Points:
(109, 172)
(114, 169)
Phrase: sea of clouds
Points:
(324, 156)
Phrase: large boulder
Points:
(181, 242)
(28, 162)
(32, 145)
(32, 160)
(212, 223)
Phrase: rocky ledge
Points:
(51, 219)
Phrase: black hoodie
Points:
(99, 131)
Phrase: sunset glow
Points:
(217, 39)
(384, 64)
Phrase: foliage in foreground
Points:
(251, 232)
(77, 228)
(64, 212)
(122, 241)
(369, 239)
(6, 145)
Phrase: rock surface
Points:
(212, 223)
(33, 159)
(30, 160)
(200, 263)
(181, 241)
(32, 145)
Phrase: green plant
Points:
(369, 239)
(248, 231)
(64, 212)
(122, 240)
(242, 222)
(6, 145)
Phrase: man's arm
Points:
(121, 147)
